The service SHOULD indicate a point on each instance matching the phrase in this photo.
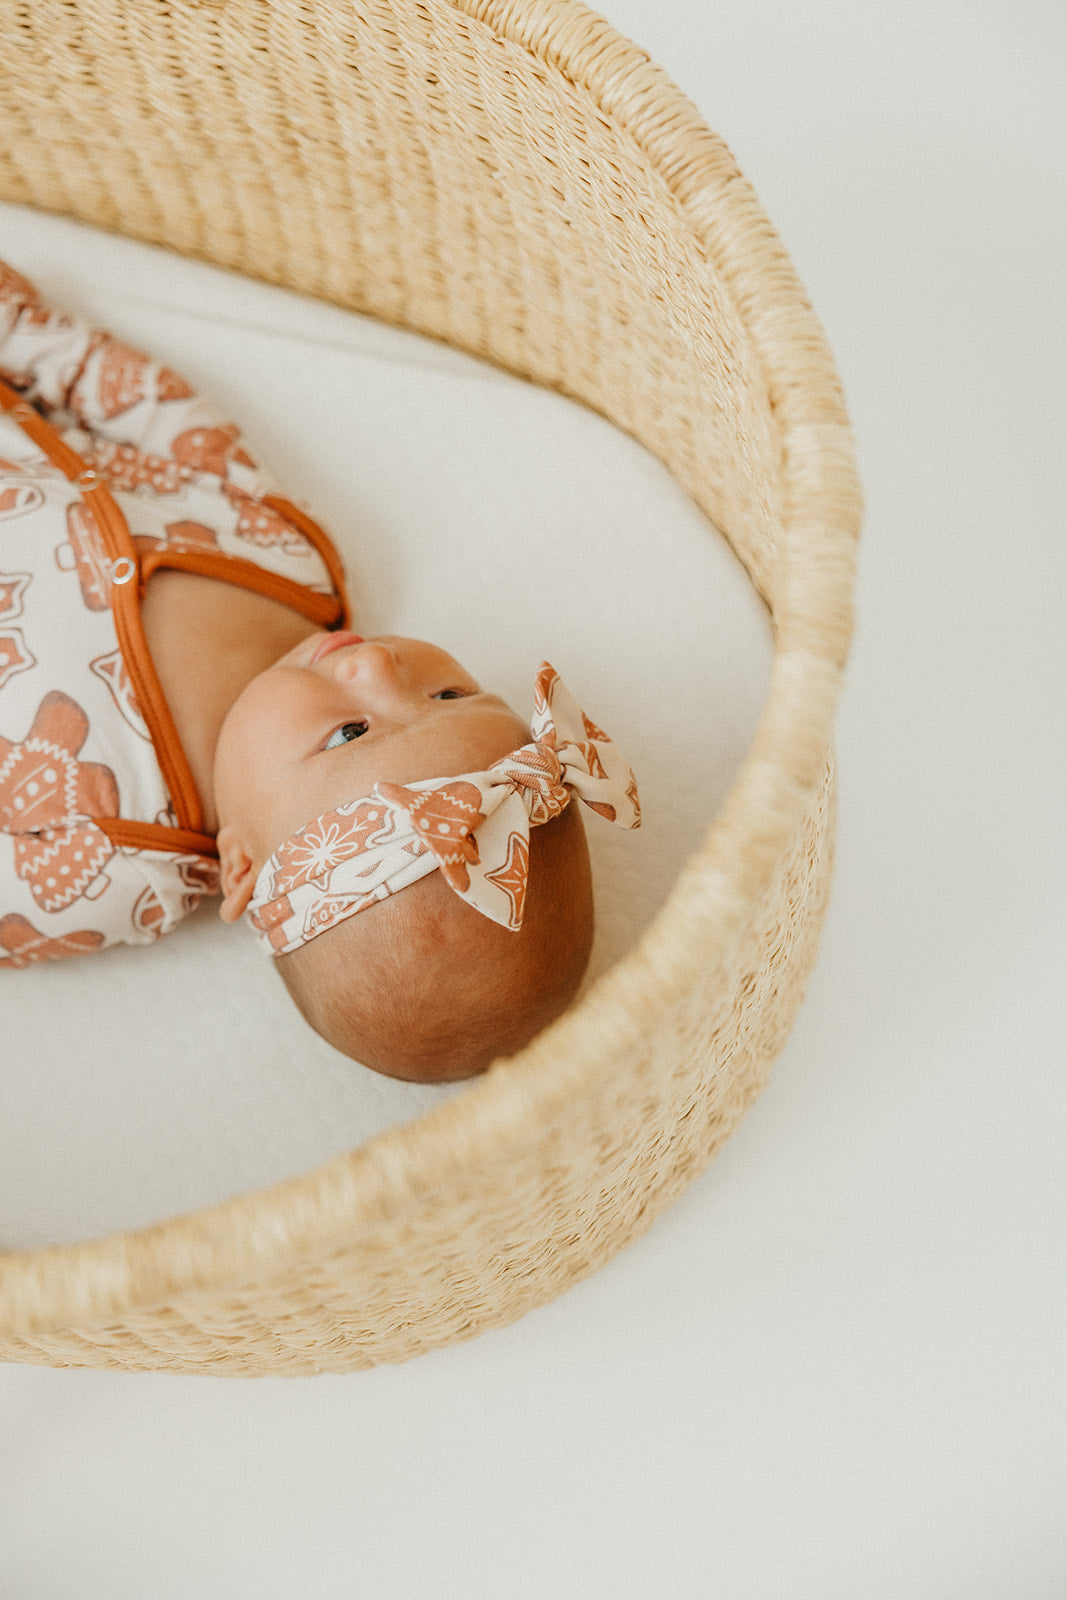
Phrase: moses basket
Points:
(513, 177)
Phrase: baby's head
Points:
(420, 983)
(422, 986)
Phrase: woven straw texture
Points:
(513, 177)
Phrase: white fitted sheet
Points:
(471, 509)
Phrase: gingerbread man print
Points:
(23, 945)
(210, 449)
(84, 554)
(445, 819)
(125, 467)
(259, 524)
(47, 801)
(116, 377)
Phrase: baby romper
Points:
(111, 468)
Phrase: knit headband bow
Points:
(474, 829)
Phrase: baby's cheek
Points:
(273, 717)
(248, 745)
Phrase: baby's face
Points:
(338, 714)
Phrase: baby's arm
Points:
(79, 375)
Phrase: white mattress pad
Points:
(496, 519)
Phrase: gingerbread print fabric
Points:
(473, 829)
(75, 747)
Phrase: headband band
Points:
(474, 829)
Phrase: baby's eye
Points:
(344, 734)
(449, 694)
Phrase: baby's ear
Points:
(237, 872)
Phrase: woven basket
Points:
(513, 177)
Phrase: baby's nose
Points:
(374, 665)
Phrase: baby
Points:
(184, 711)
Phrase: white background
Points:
(835, 1368)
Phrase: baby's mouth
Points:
(334, 641)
